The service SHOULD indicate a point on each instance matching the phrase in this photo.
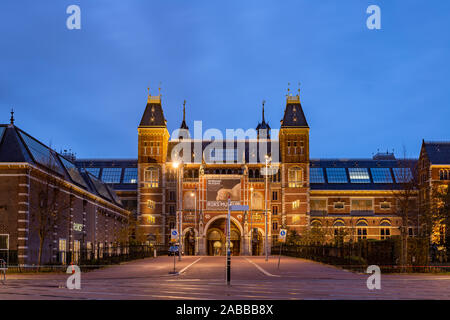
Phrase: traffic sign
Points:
(173, 235)
(282, 237)
(238, 208)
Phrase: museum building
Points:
(298, 193)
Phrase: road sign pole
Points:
(174, 262)
(279, 257)
(228, 243)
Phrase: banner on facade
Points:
(218, 191)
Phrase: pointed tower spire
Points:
(263, 102)
(263, 128)
(12, 116)
(183, 123)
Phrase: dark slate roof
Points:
(153, 116)
(294, 116)
(13, 148)
(360, 163)
(438, 152)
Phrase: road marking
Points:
(261, 269)
(185, 268)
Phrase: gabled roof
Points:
(294, 116)
(438, 152)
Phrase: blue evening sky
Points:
(361, 89)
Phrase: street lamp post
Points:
(175, 165)
(265, 220)
(251, 221)
(194, 194)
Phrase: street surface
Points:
(204, 278)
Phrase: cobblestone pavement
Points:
(204, 278)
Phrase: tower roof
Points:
(438, 151)
(293, 114)
(153, 115)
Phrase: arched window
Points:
(257, 175)
(295, 177)
(316, 223)
(151, 177)
(385, 230)
(362, 229)
(338, 226)
(338, 223)
(250, 173)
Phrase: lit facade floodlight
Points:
(175, 164)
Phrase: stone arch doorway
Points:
(216, 238)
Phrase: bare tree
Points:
(48, 212)
(405, 197)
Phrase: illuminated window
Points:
(385, 205)
(316, 175)
(111, 175)
(295, 177)
(336, 175)
(359, 175)
(130, 175)
(296, 204)
(150, 220)
(151, 177)
(381, 175)
(339, 205)
(402, 175)
(295, 219)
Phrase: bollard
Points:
(154, 253)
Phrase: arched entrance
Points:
(216, 238)
(189, 242)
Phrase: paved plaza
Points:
(204, 278)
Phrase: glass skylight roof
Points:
(114, 195)
(402, 175)
(42, 154)
(359, 175)
(336, 175)
(381, 175)
(111, 175)
(101, 188)
(130, 175)
(94, 171)
(73, 172)
(316, 175)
